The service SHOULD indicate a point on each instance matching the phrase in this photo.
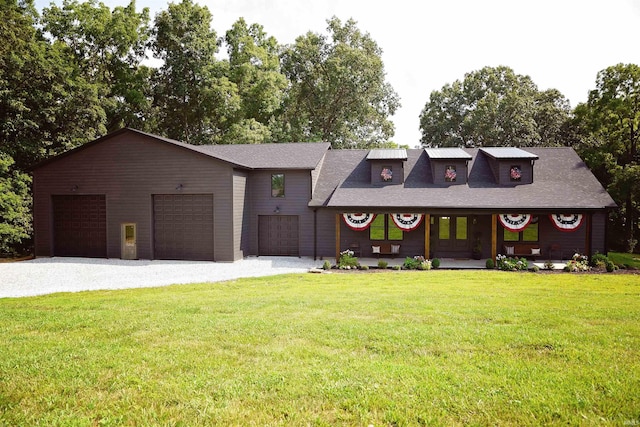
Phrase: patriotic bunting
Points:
(566, 222)
(407, 222)
(515, 222)
(358, 221)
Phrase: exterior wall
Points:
(326, 233)
(241, 215)
(438, 169)
(129, 168)
(598, 233)
(397, 168)
(297, 193)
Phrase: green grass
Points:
(626, 259)
(392, 348)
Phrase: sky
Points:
(560, 44)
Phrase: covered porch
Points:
(454, 263)
(464, 239)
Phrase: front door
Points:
(129, 241)
(452, 236)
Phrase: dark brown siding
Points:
(439, 167)
(297, 196)
(241, 214)
(598, 224)
(129, 168)
(397, 169)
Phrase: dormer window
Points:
(450, 174)
(387, 165)
(448, 165)
(510, 165)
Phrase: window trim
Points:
(274, 191)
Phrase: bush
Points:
(490, 264)
(535, 268)
(410, 263)
(363, 267)
(548, 265)
(396, 267)
(511, 264)
(599, 260)
(610, 266)
(347, 260)
(577, 263)
(435, 263)
(382, 264)
(326, 265)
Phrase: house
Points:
(134, 195)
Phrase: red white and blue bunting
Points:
(358, 221)
(515, 222)
(407, 222)
(566, 222)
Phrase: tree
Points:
(15, 207)
(254, 67)
(46, 106)
(610, 122)
(494, 107)
(108, 48)
(195, 100)
(338, 91)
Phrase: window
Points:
(461, 228)
(530, 234)
(515, 173)
(450, 173)
(277, 185)
(386, 174)
(383, 228)
(444, 228)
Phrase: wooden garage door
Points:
(183, 226)
(80, 226)
(278, 235)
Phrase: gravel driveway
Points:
(49, 275)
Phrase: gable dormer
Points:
(449, 166)
(510, 166)
(387, 165)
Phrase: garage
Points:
(183, 226)
(80, 226)
(278, 235)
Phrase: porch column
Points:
(494, 236)
(337, 238)
(427, 234)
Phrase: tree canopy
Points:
(494, 106)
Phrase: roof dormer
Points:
(387, 165)
(510, 165)
(449, 166)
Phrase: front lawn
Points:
(396, 348)
(625, 259)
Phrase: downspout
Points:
(315, 233)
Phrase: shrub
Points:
(610, 266)
(490, 264)
(382, 264)
(363, 267)
(548, 265)
(347, 260)
(424, 265)
(326, 265)
(511, 264)
(416, 263)
(599, 260)
(535, 268)
(396, 267)
(435, 263)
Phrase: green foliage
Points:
(435, 263)
(489, 264)
(577, 263)
(506, 263)
(347, 260)
(625, 259)
(494, 106)
(548, 265)
(598, 260)
(463, 348)
(338, 91)
(416, 263)
(15, 208)
(326, 265)
(382, 264)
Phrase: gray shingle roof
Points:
(561, 182)
(301, 155)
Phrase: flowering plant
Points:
(418, 262)
(511, 264)
(386, 174)
(577, 263)
(516, 173)
(450, 174)
(347, 261)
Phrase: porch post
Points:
(337, 238)
(494, 236)
(427, 234)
